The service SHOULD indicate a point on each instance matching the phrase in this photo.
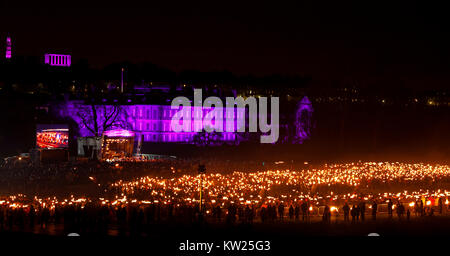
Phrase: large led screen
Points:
(52, 136)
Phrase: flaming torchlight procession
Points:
(377, 189)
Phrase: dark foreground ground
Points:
(284, 238)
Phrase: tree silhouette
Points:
(100, 118)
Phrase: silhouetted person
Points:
(231, 217)
(141, 218)
(440, 205)
(252, 214)
(400, 210)
(389, 205)
(326, 214)
(358, 212)
(408, 215)
(218, 213)
(241, 214)
(362, 210)
(121, 214)
(45, 218)
(20, 218)
(297, 212)
(416, 208)
(133, 221)
(354, 213)
(10, 218)
(374, 210)
(281, 211)
(291, 212)
(262, 214)
(273, 212)
(431, 212)
(32, 216)
(421, 208)
(248, 214)
(269, 212)
(304, 210)
(346, 210)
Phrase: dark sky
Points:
(404, 43)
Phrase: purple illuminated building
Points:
(149, 123)
(152, 123)
(58, 60)
(8, 47)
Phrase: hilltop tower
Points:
(8, 47)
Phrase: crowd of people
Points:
(130, 201)
(32, 178)
(136, 219)
(25, 176)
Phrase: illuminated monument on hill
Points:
(58, 60)
(8, 48)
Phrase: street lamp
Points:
(201, 171)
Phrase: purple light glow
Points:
(58, 60)
(303, 120)
(150, 122)
(119, 133)
(8, 47)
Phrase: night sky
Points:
(378, 43)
